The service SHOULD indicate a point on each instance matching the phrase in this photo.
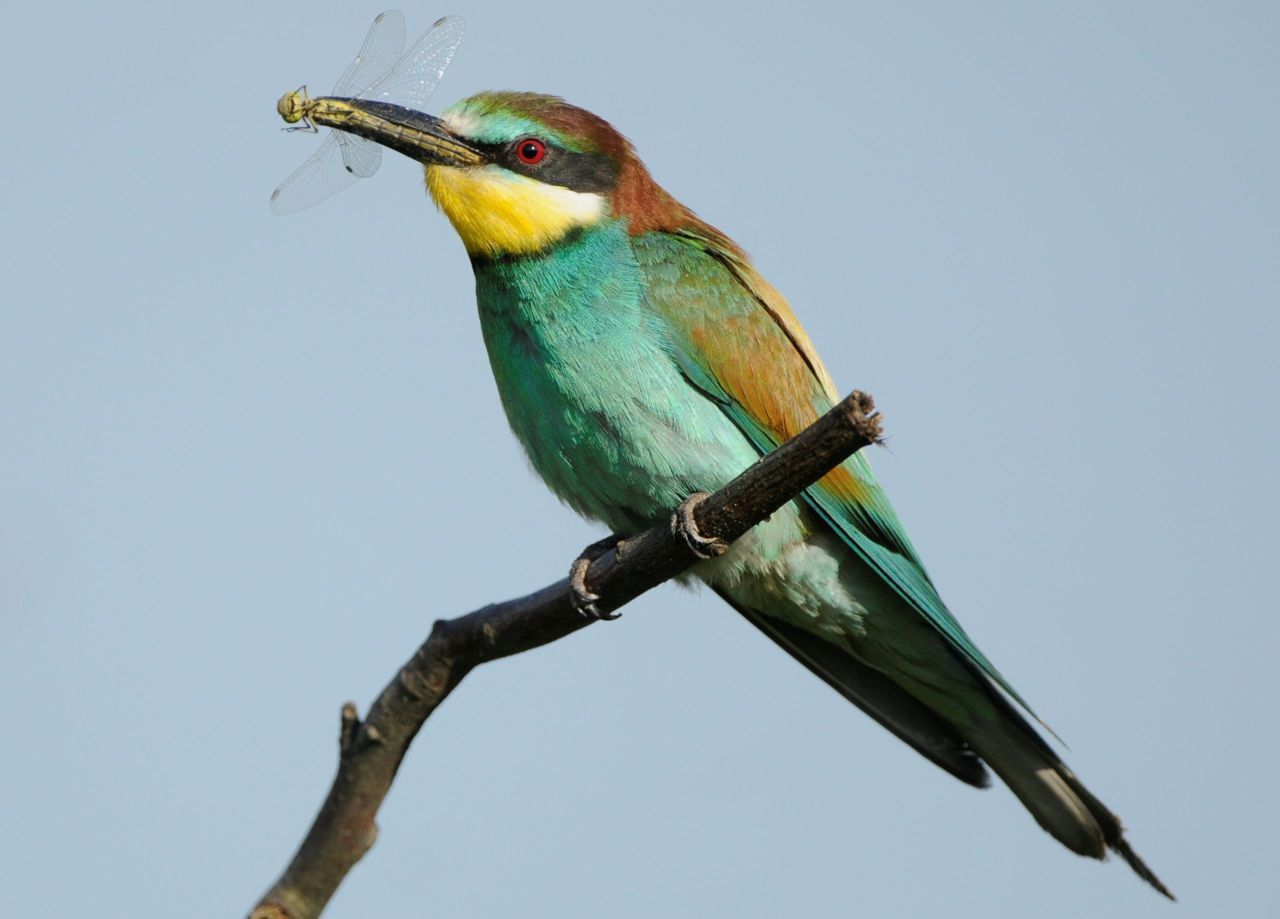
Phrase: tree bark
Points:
(370, 752)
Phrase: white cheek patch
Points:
(567, 205)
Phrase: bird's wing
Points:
(893, 707)
(736, 339)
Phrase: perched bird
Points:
(641, 358)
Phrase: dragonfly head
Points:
(293, 105)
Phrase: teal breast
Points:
(586, 376)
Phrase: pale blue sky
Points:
(245, 461)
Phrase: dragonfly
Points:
(383, 72)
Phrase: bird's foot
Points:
(583, 600)
(684, 526)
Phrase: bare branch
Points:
(370, 752)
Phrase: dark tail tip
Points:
(1113, 833)
(1121, 847)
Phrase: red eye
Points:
(531, 151)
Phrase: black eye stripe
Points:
(586, 172)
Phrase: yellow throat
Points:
(497, 212)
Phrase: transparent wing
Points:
(322, 175)
(383, 46)
(379, 72)
(417, 74)
(360, 157)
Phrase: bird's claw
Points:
(686, 527)
(581, 597)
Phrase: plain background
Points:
(246, 461)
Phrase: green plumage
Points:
(587, 376)
(592, 348)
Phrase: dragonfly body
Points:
(306, 111)
(390, 125)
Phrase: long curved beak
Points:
(417, 135)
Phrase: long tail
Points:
(1055, 797)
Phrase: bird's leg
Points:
(583, 600)
(684, 526)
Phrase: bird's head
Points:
(541, 169)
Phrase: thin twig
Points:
(371, 751)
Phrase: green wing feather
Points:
(736, 339)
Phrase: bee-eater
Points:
(641, 358)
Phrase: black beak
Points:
(417, 135)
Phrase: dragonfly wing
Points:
(360, 157)
(380, 71)
(322, 175)
(383, 46)
(416, 75)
